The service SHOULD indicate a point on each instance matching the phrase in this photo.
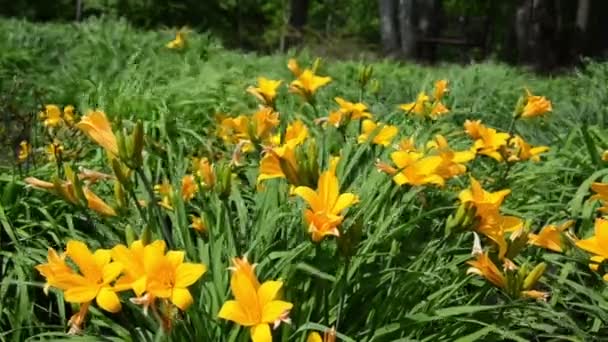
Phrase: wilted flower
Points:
(54, 150)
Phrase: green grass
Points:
(405, 278)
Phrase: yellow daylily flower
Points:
(485, 267)
(382, 134)
(54, 269)
(407, 145)
(441, 87)
(189, 187)
(266, 91)
(438, 109)
(417, 107)
(525, 151)
(134, 259)
(165, 190)
(535, 105)
(24, 151)
(486, 203)
(198, 224)
(96, 126)
(51, 115)
(168, 276)
(243, 266)
(495, 226)
(601, 194)
(452, 163)
(550, 236)
(233, 130)
(54, 151)
(293, 66)
(352, 110)
(490, 142)
(415, 169)
(255, 307)
(280, 162)
(326, 204)
(264, 121)
(179, 42)
(205, 170)
(474, 128)
(307, 84)
(598, 243)
(96, 273)
(68, 114)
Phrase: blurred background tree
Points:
(542, 33)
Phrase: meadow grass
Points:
(395, 275)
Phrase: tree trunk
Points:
(299, 14)
(407, 29)
(582, 15)
(388, 29)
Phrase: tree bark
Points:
(407, 28)
(388, 29)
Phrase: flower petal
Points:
(344, 201)
(83, 258)
(309, 195)
(268, 291)
(181, 298)
(81, 294)
(232, 311)
(261, 333)
(275, 310)
(188, 273)
(108, 300)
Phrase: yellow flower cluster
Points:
(428, 107)
(142, 268)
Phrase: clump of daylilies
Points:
(287, 147)
(158, 279)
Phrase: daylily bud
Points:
(146, 235)
(122, 177)
(365, 74)
(75, 182)
(224, 179)
(534, 276)
(519, 107)
(119, 195)
(316, 65)
(123, 154)
(374, 87)
(138, 144)
(129, 235)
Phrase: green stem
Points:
(343, 287)
(148, 186)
